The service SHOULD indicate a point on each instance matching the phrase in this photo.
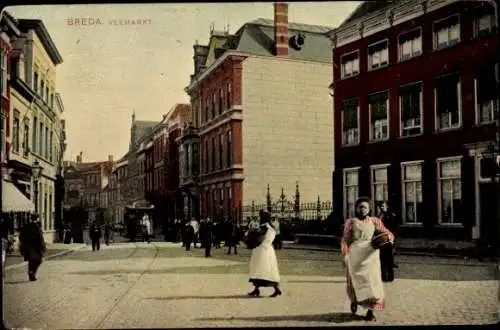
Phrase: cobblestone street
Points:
(161, 285)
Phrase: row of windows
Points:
(91, 199)
(447, 106)
(189, 160)
(41, 86)
(218, 152)
(449, 190)
(446, 33)
(217, 200)
(217, 103)
(42, 139)
(92, 179)
(154, 180)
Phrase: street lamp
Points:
(36, 172)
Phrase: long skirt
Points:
(364, 281)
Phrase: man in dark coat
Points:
(188, 236)
(32, 246)
(233, 237)
(95, 235)
(206, 235)
(387, 263)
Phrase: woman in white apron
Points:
(264, 270)
(362, 261)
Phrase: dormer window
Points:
(378, 55)
(350, 64)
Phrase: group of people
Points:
(211, 234)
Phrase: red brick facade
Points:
(221, 140)
(467, 58)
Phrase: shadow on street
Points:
(329, 317)
(237, 296)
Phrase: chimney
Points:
(280, 29)
(110, 158)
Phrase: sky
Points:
(111, 70)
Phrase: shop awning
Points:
(13, 200)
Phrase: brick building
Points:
(415, 110)
(262, 110)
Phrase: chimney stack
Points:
(110, 158)
(280, 29)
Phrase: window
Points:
(221, 100)
(207, 110)
(350, 122)
(213, 105)
(378, 55)
(206, 153)
(3, 140)
(447, 32)
(413, 206)
(229, 149)
(447, 102)
(228, 96)
(3, 64)
(220, 165)
(350, 191)
(450, 191)
(380, 192)
(41, 139)
(47, 145)
(350, 65)
(15, 134)
(214, 154)
(379, 116)
(196, 158)
(34, 139)
(410, 102)
(486, 95)
(410, 44)
(484, 25)
(42, 88)
(26, 139)
(47, 94)
(35, 82)
(52, 100)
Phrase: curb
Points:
(52, 256)
(399, 252)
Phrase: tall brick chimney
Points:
(280, 29)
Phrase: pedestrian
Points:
(278, 243)
(107, 233)
(196, 230)
(264, 270)
(188, 236)
(233, 237)
(390, 222)
(4, 236)
(147, 230)
(32, 246)
(95, 235)
(206, 235)
(362, 261)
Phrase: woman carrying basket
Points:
(363, 235)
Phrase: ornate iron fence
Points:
(283, 208)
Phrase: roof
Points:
(367, 7)
(142, 130)
(257, 38)
(43, 35)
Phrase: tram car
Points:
(132, 221)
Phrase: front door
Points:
(488, 206)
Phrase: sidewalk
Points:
(433, 248)
(15, 260)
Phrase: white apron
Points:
(363, 262)
(263, 262)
